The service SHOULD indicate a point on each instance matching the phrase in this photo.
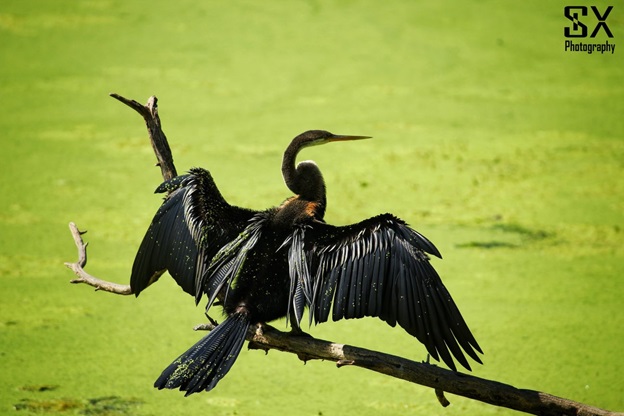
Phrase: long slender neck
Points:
(289, 172)
(305, 179)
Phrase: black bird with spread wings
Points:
(265, 265)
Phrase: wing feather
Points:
(163, 246)
(324, 304)
(379, 267)
(228, 263)
(191, 226)
(376, 294)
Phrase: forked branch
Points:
(308, 348)
(84, 277)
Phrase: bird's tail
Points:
(208, 361)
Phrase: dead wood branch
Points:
(149, 112)
(308, 348)
(84, 277)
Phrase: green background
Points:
(504, 150)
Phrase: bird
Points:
(262, 265)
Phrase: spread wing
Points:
(191, 226)
(228, 262)
(378, 267)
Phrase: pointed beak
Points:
(341, 138)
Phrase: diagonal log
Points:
(160, 145)
(265, 337)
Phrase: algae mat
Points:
(489, 138)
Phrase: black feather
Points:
(167, 245)
(227, 264)
(191, 226)
(379, 267)
(209, 360)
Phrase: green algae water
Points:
(503, 148)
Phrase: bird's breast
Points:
(296, 210)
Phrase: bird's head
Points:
(318, 137)
(305, 179)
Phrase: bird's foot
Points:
(428, 361)
(259, 332)
(298, 332)
(261, 328)
(212, 324)
(212, 321)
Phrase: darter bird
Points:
(265, 265)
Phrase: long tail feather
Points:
(205, 363)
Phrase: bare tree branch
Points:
(154, 129)
(160, 145)
(265, 337)
(83, 276)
